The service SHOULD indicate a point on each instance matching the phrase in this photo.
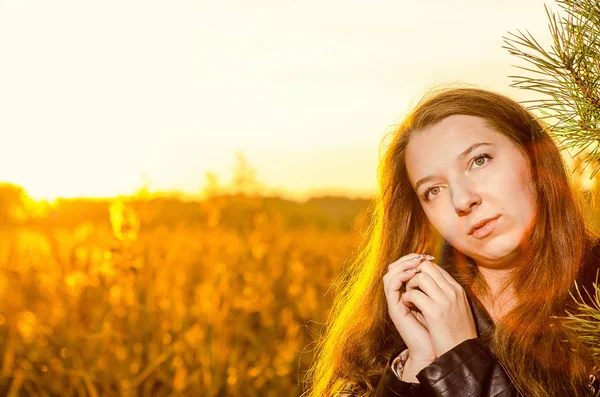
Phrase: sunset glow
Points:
(100, 99)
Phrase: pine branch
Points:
(567, 74)
(585, 321)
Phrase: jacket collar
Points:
(483, 321)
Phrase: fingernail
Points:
(414, 270)
(423, 256)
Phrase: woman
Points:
(471, 178)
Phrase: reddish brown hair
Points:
(541, 356)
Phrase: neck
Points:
(498, 301)
(494, 278)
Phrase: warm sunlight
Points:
(172, 90)
(214, 198)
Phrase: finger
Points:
(393, 295)
(394, 280)
(418, 316)
(400, 274)
(409, 261)
(433, 270)
(451, 280)
(426, 284)
(405, 260)
(418, 299)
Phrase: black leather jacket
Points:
(470, 368)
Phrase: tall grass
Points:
(225, 300)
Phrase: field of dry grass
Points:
(164, 298)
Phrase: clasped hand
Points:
(428, 307)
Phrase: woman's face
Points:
(464, 173)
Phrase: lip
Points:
(484, 227)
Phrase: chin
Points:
(498, 249)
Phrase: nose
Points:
(464, 198)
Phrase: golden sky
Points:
(99, 98)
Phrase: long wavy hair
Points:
(541, 356)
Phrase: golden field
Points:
(163, 297)
(158, 296)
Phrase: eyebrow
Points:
(460, 156)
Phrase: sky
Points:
(99, 99)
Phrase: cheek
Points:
(442, 219)
(513, 194)
(528, 207)
(523, 195)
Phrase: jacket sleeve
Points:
(390, 385)
(469, 369)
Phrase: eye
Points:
(432, 190)
(481, 159)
